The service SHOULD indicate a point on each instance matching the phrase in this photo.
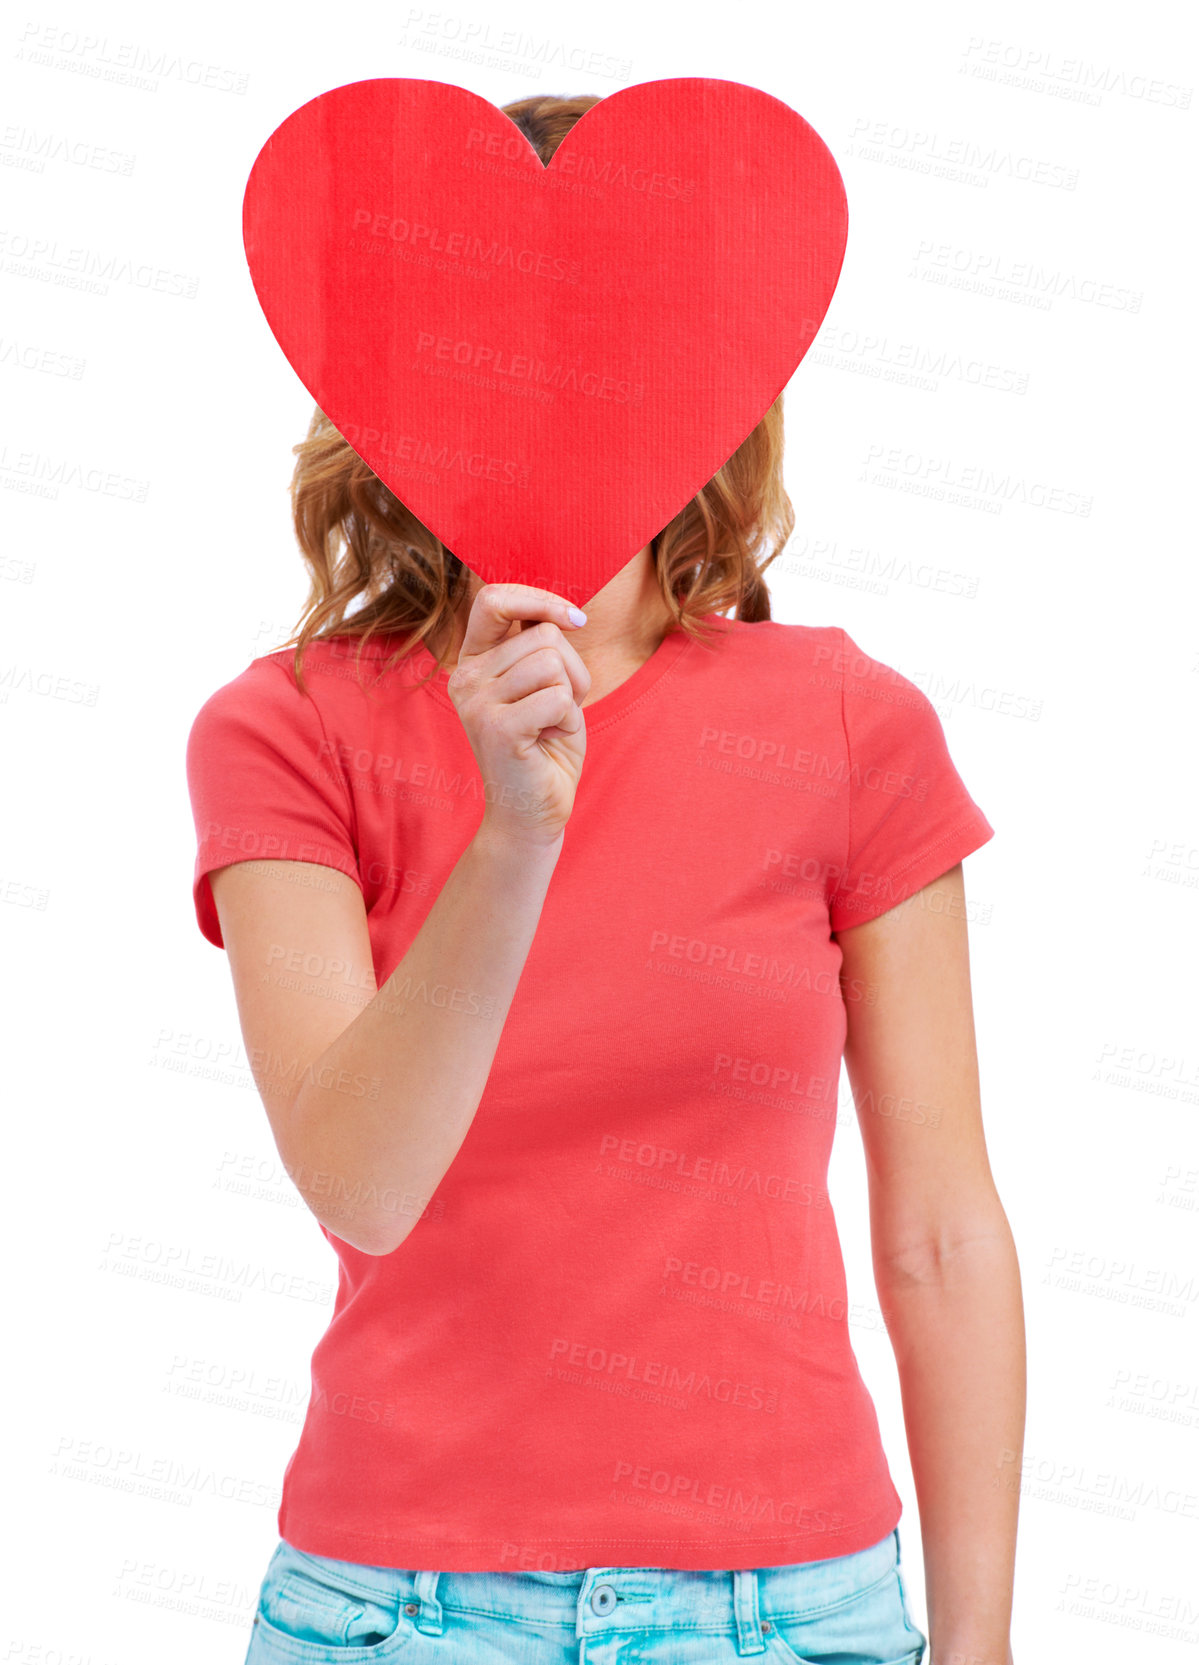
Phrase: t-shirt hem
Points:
(566, 1554)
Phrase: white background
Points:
(1014, 326)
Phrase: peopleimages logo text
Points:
(464, 245)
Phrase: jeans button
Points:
(603, 1598)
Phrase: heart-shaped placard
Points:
(545, 364)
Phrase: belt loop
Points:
(745, 1608)
(429, 1617)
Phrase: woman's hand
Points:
(516, 688)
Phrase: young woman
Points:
(549, 932)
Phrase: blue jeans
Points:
(851, 1609)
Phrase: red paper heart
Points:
(545, 364)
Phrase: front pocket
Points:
(868, 1627)
(307, 1616)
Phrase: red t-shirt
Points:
(617, 1333)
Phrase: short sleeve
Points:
(264, 783)
(910, 817)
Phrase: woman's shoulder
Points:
(787, 645)
(826, 668)
(329, 655)
(772, 631)
(328, 663)
(827, 649)
(339, 682)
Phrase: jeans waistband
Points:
(597, 1600)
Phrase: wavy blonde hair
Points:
(363, 549)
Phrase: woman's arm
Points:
(370, 1092)
(945, 1263)
(369, 1110)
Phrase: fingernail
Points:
(576, 615)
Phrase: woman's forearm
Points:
(956, 1323)
(429, 1037)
